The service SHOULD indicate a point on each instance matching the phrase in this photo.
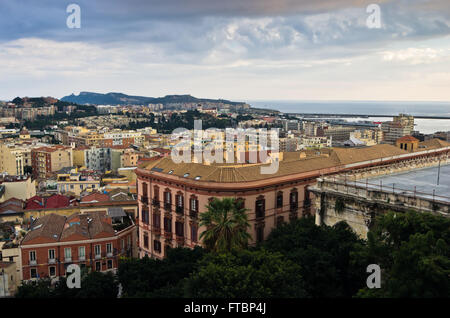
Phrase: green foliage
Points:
(325, 254)
(148, 277)
(246, 274)
(226, 225)
(93, 285)
(413, 252)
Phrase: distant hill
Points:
(123, 99)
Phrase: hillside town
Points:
(90, 191)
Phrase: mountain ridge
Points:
(115, 98)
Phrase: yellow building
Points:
(75, 183)
(19, 187)
(8, 279)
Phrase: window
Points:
(145, 240)
(179, 199)
(51, 254)
(122, 244)
(157, 246)
(52, 271)
(279, 200)
(129, 241)
(293, 200)
(32, 256)
(167, 224)
(179, 228)
(194, 204)
(110, 264)
(81, 252)
(98, 250)
(68, 253)
(259, 234)
(260, 206)
(145, 216)
(108, 248)
(33, 273)
(280, 220)
(156, 220)
(194, 233)
(98, 266)
(167, 200)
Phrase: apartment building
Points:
(89, 240)
(98, 159)
(49, 159)
(401, 125)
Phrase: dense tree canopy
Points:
(246, 274)
(413, 251)
(325, 255)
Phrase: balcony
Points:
(68, 260)
(168, 207)
(33, 262)
(82, 258)
(156, 230)
(51, 261)
(179, 210)
(155, 203)
(144, 199)
(168, 235)
(293, 207)
(180, 240)
(109, 254)
(98, 256)
(193, 214)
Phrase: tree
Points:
(93, 285)
(153, 278)
(245, 274)
(413, 252)
(325, 254)
(226, 225)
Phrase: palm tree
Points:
(226, 225)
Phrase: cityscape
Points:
(173, 192)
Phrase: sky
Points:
(235, 49)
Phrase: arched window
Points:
(260, 207)
(279, 203)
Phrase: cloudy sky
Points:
(234, 49)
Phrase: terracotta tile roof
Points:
(407, 139)
(252, 172)
(95, 197)
(57, 201)
(75, 227)
(433, 144)
(49, 226)
(35, 202)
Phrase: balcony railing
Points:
(98, 256)
(68, 259)
(179, 210)
(109, 254)
(293, 207)
(155, 203)
(82, 258)
(157, 230)
(33, 262)
(51, 261)
(167, 206)
(180, 240)
(168, 235)
(193, 214)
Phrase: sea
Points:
(371, 108)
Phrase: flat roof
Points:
(424, 180)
